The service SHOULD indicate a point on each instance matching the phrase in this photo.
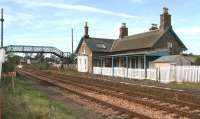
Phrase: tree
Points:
(40, 57)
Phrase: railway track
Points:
(181, 96)
(173, 95)
(180, 109)
(134, 91)
(120, 110)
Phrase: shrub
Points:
(10, 64)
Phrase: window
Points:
(169, 45)
(101, 45)
(84, 50)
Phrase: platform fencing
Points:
(162, 74)
(180, 74)
(125, 72)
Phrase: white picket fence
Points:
(163, 74)
(180, 74)
(125, 73)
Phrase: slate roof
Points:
(138, 41)
(177, 59)
(142, 40)
(129, 43)
(93, 44)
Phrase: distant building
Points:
(132, 51)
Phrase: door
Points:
(82, 63)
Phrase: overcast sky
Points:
(49, 22)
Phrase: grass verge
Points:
(27, 102)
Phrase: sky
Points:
(49, 22)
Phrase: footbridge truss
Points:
(37, 49)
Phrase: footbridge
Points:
(37, 49)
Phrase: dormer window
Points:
(101, 45)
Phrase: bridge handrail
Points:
(37, 49)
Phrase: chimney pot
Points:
(86, 24)
(123, 24)
(153, 27)
(165, 10)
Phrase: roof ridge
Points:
(138, 34)
(101, 38)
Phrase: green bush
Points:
(10, 64)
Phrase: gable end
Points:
(169, 40)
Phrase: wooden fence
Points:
(162, 74)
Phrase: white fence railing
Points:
(163, 74)
(125, 73)
(180, 74)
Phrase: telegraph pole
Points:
(72, 41)
(2, 20)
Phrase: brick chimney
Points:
(86, 29)
(123, 31)
(165, 19)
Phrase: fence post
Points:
(145, 67)
(112, 67)
(159, 76)
(174, 73)
(126, 66)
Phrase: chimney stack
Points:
(123, 31)
(153, 27)
(86, 28)
(165, 19)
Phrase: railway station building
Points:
(136, 51)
